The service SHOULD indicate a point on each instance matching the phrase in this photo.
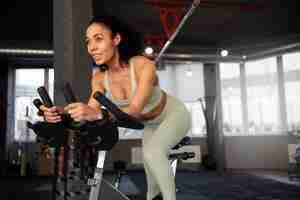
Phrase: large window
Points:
(253, 98)
(26, 83)
(262, 96)
(231, 98)
(291, 66)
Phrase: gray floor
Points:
(192, 185)
(279, 176)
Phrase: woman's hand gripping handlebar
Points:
(52, 114)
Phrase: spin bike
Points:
(101, 135)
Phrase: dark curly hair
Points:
(131, 43)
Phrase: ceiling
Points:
(26, 24)
(242, 26)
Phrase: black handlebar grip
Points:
(69, 94)
(45, 96)
(109, 105)
(71, 98)
(123, 119)
(183, 156)
(38, 103)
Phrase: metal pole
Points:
(195, 4)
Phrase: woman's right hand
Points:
(52, 114)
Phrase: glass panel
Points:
(262, 91)
(27, 82)
(291, 67)
(291, 62)
(231, 98)
(51, 83)
(198, 121)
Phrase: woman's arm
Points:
(146, 73)
(96, 85)
(91, 111)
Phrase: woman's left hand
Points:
(82, 112)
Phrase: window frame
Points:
(11, 120)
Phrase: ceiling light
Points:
(224, 53)
(27, 51)
(149, 50)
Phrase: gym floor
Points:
(192, 185)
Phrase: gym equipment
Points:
(209, 160)
(101, 134)
(294, 168)
(195, 4)
(119, 168)
(122, 120)
(175, 157)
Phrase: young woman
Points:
(131, 82)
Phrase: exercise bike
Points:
(101, 134)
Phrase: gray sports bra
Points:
(152, 102)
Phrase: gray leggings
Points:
(160, 135)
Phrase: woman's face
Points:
(101, 45)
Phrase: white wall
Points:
(257, 152)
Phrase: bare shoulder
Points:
(145, 68)
(141, 62)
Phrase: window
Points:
(198, 121)
(291, 67)
(231, 98)
(51, 83)
(26, 83)
(183, 75)
(262, 96)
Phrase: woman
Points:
(131, 82)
